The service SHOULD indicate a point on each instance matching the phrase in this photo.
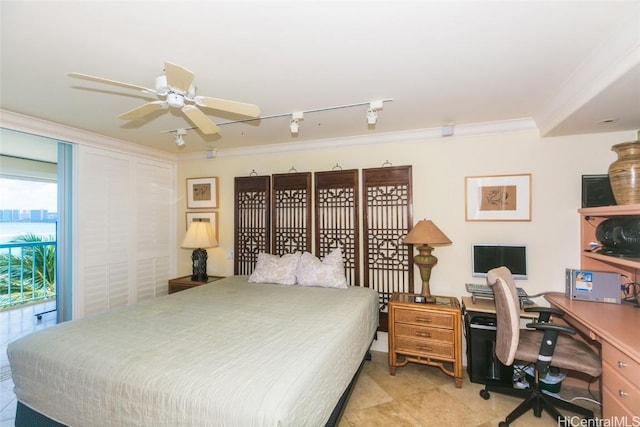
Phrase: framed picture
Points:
(202, 192)
(211, 217)
(498, 198)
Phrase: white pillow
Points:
(275, 269)
(328, 273)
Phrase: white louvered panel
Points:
(146, 207)
(94, 295)
(162, 275)
(118, 284)
(145, 279)
(93, 212)
(165, 207)
(120, 200)
(126, 229)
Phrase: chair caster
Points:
(503, 424)
(485, 394)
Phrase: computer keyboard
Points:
(478, 289)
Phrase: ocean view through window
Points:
(27, 241)
(27, 207)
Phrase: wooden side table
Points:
(426, 333)
(185, 282)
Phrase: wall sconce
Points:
(294, 126)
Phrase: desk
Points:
(615, 328)
(483, 367)
(482, 305)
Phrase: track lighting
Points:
(179, 140)
(294, 125)
(372, 112)
(372, 116)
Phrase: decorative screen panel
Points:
(336, 219)
(291, 213)
(387, 207)
(252, 221)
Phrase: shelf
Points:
(627, 262)
(611, 210)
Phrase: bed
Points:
(230, 353)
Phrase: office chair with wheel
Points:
(545, 345)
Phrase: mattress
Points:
(228, 353)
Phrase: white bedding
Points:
(230, 353)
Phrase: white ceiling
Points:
(564, 65)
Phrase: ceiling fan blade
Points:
(198, 118)
(178, 77)
(143, 110)
(242, 108)
(109, 82)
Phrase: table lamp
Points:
(426, 234)
(199, 236)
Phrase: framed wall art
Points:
(202, 192)
(211, 217)
(498, 198)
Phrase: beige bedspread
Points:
(230, 353)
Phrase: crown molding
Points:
(614, 58)
(32, 125)
(418, 135)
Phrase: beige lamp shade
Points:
(199, 235)
(426, 234)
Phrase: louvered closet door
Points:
(291, 213)
(153, 187)
(104, 214)
(387, 208)
(336, 218)
(252, 221)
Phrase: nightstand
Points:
(426, 333)
(182, 283)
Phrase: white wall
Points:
(439, 169)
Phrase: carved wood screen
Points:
(291, 213)
(336, 218)
(252, 221)
(387, 207)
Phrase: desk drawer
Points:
(621, 363)
(621, 389)
(424, 348)
(424, 317)
(613, 407)
(421, 332)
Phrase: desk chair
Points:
(544, 345)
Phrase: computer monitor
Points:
(486, 256)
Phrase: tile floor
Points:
(15, 324)
(416, 396)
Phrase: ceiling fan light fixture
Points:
(175, 100)
(161, 85)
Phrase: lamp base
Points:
(199, 258)
(425, 262)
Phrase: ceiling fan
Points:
(175, 89)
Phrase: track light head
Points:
(294, 126)
(372, 116)
(178, 137)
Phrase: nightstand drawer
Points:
(403, 330)
(425, 348)
(424, 317)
